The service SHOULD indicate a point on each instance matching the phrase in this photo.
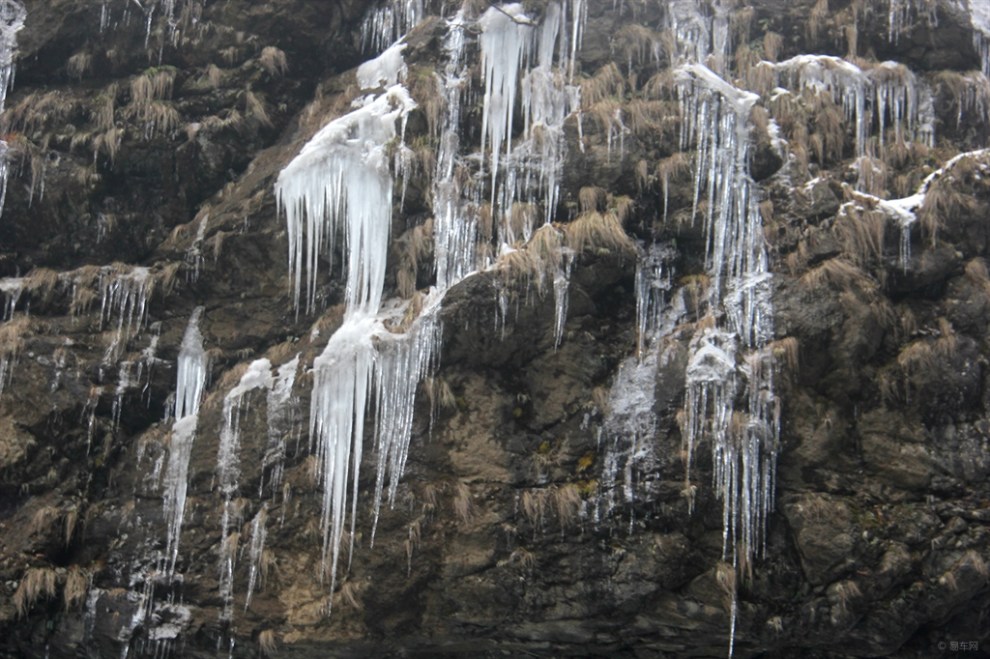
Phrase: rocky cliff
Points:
(678, 339)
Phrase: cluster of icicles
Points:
(340, 187)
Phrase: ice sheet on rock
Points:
(257, 376)
(386, 70)
(281, 420)
(341, 181)
(652, 284)
(455, 216)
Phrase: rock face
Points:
(544, 508)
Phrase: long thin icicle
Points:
(190, 383)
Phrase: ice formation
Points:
(388, 23)
(12, 16)
(386, 70)
(536, 61)
(281, 418)
(888, 92)
(124, 301)
(257, 376)
(190, 383)
(979, 17)
(341, 182)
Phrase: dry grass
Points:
(786, 351)
(593, 231)
(41, 283)
(943, 200)
(608, 82)
(154, 84)
(273, 61)
(846, 592)
(255, 108)
(976, 272)
(635, 43)
(411, 249)
(463, 506)
(79, 65)
(816, 20)
(926, 355)
(838, 274)
(772, 45)
(592, 199)
(36, 583)
(76, 587)
(37, 111)
(862, 233)
(268, 643)
(12, 334)
(567, 503)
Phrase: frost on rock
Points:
(341, 182)
(190, 383)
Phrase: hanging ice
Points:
(505, 46)
(743, 438)
(190, 382)
(124, 298)
(341, 181)
(387, 24)
(12, 16)
(979, 17)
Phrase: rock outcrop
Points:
(550, 504)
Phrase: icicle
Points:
(341, 181)
(505, 45)
(12, 288)
(387, 24)
(124, 296)
(403, 361)
(12, 16)
(455, 223)
(190, 382)
(979, 17)
(257, 548)
(743, 441)
(652, 282)
(561, 284)
(386, 70)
